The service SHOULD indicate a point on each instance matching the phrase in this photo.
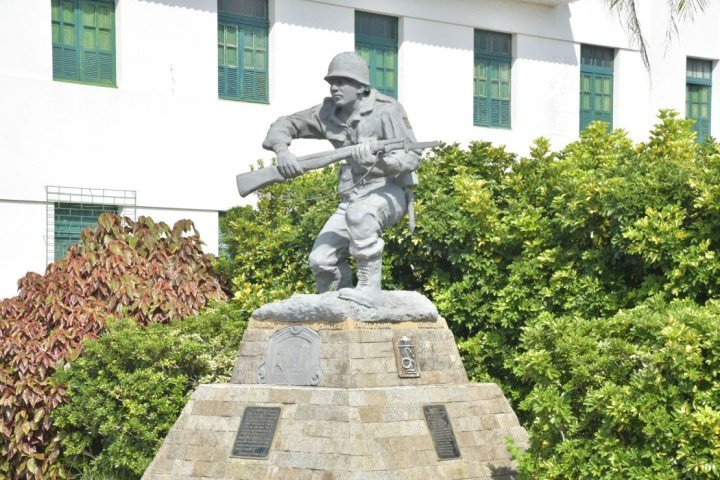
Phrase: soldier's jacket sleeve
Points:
(395, 124)
(304, 124)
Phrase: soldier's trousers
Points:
(355, 229)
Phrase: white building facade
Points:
(150, 107)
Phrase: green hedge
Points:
(129, 386)
(634, 396)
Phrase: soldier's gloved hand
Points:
(288, 164)
(363, 153)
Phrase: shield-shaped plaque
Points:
(292, 358)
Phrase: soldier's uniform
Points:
(371, 202)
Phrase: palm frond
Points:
(627, 12)
(678, 11)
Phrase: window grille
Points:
(71, 209)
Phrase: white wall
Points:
(22, 243)
(699, 38)
(163, 132)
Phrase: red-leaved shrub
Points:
(142, 270)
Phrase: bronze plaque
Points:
(442, 432)
(256, 432)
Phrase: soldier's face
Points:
(345, 91)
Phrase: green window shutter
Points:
(243, 50)
(376, 41)
(83, 36)
(64, 40)
(71, 219)
(228, 57)
(698, 95)
(97, 42)
(480, 97)
(255, 56)
(596, 85)
(586, 100)
(491, 79)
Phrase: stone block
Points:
(497, 405)
(290, 395)
(211, 423)
(468, 424)
(252, 349)
(255, 335)
(334, 366)
(371, 413)
(400, 413)
(209, 438)
(179, 452)
(321, 397)
(489, 422)
(452, 469)
(213, 407)
(205, 453)
(209, 469)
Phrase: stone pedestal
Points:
(361, 421)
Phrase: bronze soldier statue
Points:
(375, 189)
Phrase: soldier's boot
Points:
(329, 277)
(368, 291)
(332, 278)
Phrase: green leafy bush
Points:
(633, 396)
(141, 270)
(128, 388)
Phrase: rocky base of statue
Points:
(337, 434)
(347, 399)
(384, 306)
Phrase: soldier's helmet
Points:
(349, 65)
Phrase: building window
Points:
(491, 79)
(596, 85)
(71, 209)
(83, 41)
(376, 41)
(243, 50)
(71, 219)
(698, 89)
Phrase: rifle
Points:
(250, 181)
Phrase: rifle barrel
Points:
(250, 181)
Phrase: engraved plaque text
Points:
(442, 432)
(256, 432)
